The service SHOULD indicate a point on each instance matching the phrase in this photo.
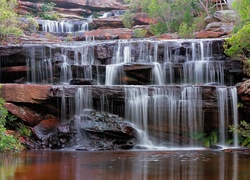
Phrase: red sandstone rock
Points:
(169, 36)
(121, 33)
(143, 19)
(208, 34)
(28, 93)
(29, 116)
(244, 92)
(25, 6)
(45, 127)
(15, 69)
(107, 23)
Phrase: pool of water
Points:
(125, 165)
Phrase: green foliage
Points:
(32, 25)
(140, 33)
(243, 9)
(8, 18)
(158, 28)
(243, 129)
(48, 12)
(128, 19)
(207, 139)
(48, 7)
(29, 24)
(185, 31)
(169, 15)
(239, 43)
(23, 130)
(8, 143)
(238, 46)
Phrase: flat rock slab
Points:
(29, 93)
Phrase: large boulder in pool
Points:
(104, 131)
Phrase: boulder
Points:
(210, 19)
(142, 18)
(45, 127)
(106, 131)
(226, 16)
(220, 27)
(29, 116)
(107, 23)
(244, 92)
(208, 34)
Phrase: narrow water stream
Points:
(126, 165)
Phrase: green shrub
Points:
(32, 25)
(48, 12)
(140, 33)
(238, 46)
(207, 139)
(23, 130)
(29, 24)
(243, 129)
(8, 143)
(8, 18)
(128, 19)
(185, 31)
(158, 28)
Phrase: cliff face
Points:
(83, 6)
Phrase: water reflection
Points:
(126, 165)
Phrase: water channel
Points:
(126, 165)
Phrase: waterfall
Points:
(234, 106)
(191, 110)
(114, 71)
(202, 69)
(83, 100)
(63, 26)
(65, 72)
(136, 110)
(227, 97)
(223, 113)
(174, 112)
(165, 108)
(171, 101)
(40, 66)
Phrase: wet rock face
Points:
(103, 131)
(244, 92)
(53, 135)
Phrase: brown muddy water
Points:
(126, 165)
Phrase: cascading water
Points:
(65, 72)
(234, 107)
(136, 110)
(114, 71)
(83, 100)
(40, 69)
(175, 110)
(227, 109)
(63, 26)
